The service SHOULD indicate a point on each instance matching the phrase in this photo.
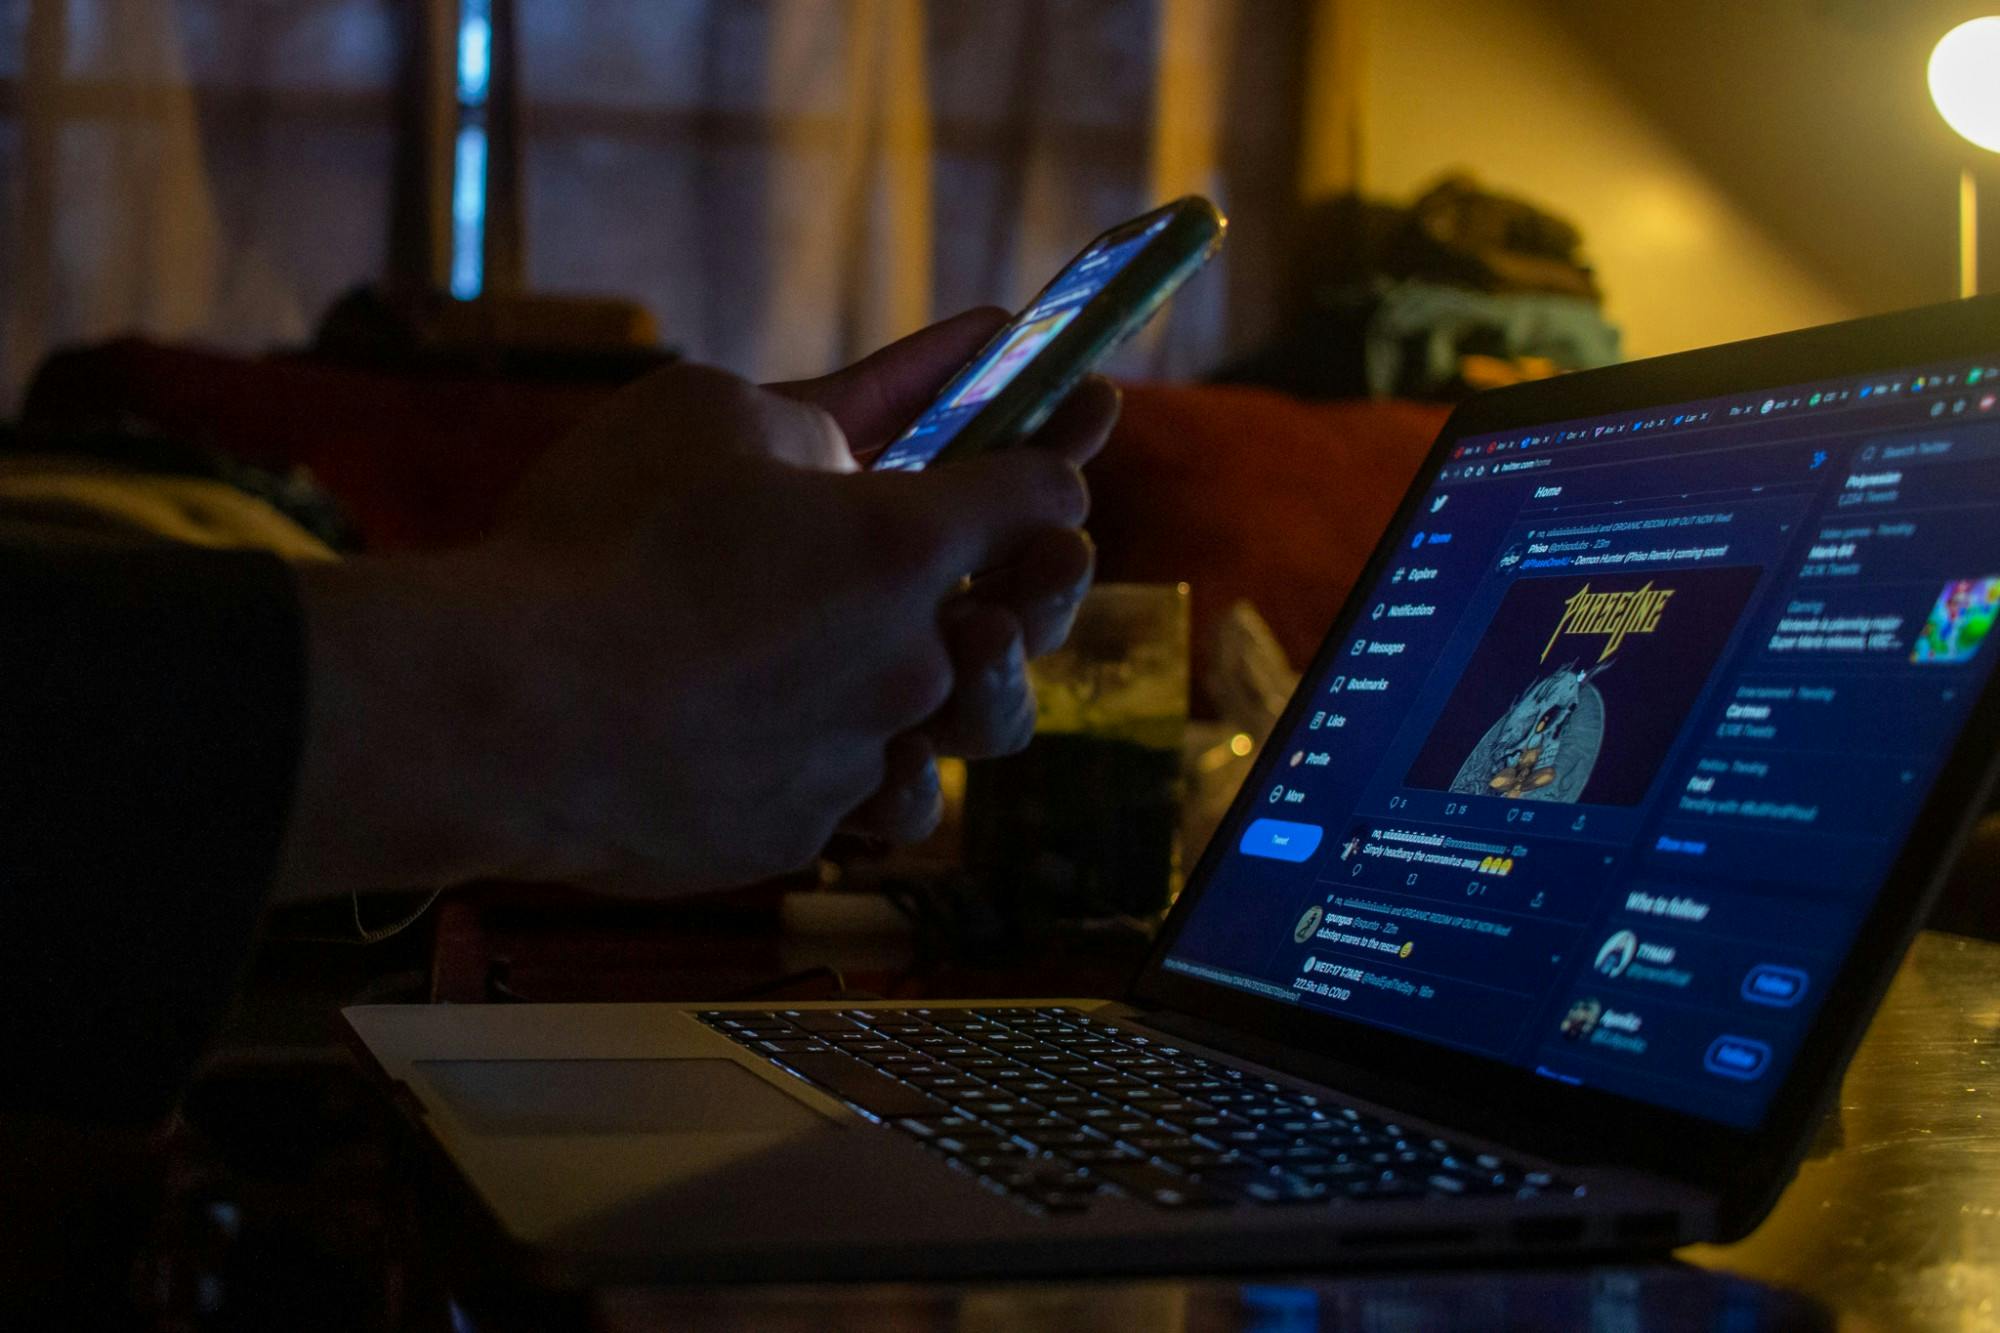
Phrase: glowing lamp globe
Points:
(1965, 80)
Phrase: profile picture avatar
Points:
(1581, 1020)
(1616, 955)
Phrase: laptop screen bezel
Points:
(1501, 1101)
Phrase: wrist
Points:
(409, 689)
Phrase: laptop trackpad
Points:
(612, 1097)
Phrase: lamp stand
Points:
(1968, 234)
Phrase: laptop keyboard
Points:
(1056, 1109)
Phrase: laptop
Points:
(1544, 925)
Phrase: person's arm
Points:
(700, 643)
(151, 701)
(771, 617)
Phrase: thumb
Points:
(803, 435)
(696, 408)
(879, 395)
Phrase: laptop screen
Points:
(1611, 765)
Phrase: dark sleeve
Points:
(151, 714)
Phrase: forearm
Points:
(413, 700)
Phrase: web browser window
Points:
(1606, 775)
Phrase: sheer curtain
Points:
(201, 170)
(784, 183)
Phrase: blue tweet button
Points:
(1737, 1057)
(1280, 841)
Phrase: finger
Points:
(907, 684)
(1044, 586)
(910, 802)
(1078, 428)
(992, 710)
(804, 435)
(935, 527)
(877, 396)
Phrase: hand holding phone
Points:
(1098, 300)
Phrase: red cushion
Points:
(418, 460)
(1251, 493)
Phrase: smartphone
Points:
(1101, 298)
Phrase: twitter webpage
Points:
(1617, 755)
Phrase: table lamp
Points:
(1967, 94)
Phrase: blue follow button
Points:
(1281, 840)
(1781, 987)
(1737, 1057)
